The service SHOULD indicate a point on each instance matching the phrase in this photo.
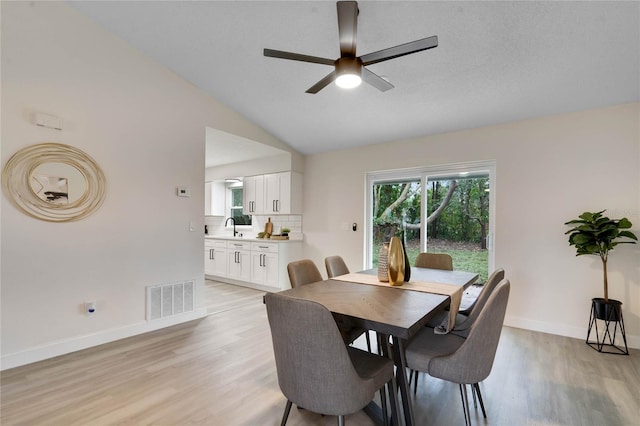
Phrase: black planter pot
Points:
(610, 310)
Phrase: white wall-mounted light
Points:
(349, 71)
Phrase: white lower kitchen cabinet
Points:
(264, 264)
(215, 258)
(239, 260)
(255, 263)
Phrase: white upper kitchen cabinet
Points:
(283, 193)
(214, 197)
(253, 194)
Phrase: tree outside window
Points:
(236, 207)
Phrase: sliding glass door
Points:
(444, 209)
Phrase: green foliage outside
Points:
(463, 260)
(460, 228)
(236, 207)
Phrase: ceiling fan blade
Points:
(375, 80)
(401, 50)
(322, 83)
(347, 27)
(297, 57)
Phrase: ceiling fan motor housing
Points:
(347, 65)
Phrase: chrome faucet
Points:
(234, 225)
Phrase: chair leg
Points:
(366, 334)
(477, 388)
(415, 383)
(392, 391)
(383, 403)
(465, 404)
(473, 394)
(340, 420)
(285, 416)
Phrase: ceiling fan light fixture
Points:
(348, 71)
(348, 81)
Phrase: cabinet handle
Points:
(237, 257)
(277, 205)
(212, 254)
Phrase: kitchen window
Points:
(235, 209)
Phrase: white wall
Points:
(146, 128)
(260, 166)
(548, 171)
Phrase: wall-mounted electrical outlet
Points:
(90, 307)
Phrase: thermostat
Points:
(184, 192)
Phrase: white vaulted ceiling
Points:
(496, 61)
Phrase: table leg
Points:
(393, 387)
(372, 409)
(401, 377)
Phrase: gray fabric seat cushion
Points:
(442, 315)
(371, 367)
(426, 345)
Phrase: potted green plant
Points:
(285, 232)
(597, 235)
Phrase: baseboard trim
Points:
(561, 329)
(243, 283)
(87, 341)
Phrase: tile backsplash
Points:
(215, 224)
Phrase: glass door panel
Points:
(441, 209)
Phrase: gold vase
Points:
(396, 262)
(383, 263)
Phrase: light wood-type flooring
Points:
(220, 371)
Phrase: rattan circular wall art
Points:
(54, 182)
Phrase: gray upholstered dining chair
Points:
(470, 313)
(303, 272)
(335, 266)
(315, 369)
(463, 360)
(465, 317)
(434, 261)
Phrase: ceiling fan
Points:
(349, 69)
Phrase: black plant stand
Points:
(611, 313)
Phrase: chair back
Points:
(472, 362)
(475, 308)
(303, 272)
(314, 368)
(335, 266)
(434, 261)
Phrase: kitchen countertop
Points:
(250, 239)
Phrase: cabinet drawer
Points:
(238, 245)
(264, 247)
(218, 244)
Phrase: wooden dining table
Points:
(396, 313)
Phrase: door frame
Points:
(432, 172)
